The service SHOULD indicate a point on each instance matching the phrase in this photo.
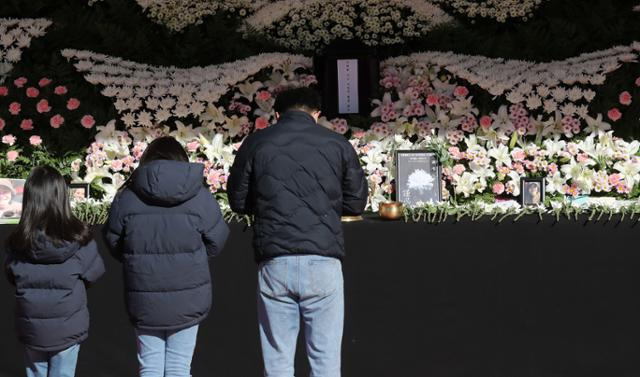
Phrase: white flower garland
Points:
(546, 87)
(149, 95)
(178, 14)
(16, 35)
(311, 23)
(499, 10)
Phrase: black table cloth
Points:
(477, 299)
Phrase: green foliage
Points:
(32, 157)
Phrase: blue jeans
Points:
(166, 353)
(51, 364)
(307, 286)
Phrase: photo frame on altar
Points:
(79, 191)
(11, 191)
(418, 177)
(532, 191)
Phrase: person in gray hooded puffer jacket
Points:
(51, 259)
(163, 225)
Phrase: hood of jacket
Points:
(166, 182)
(45, 251)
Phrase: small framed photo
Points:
(418, 177)
(78, 191)
(11, 191)
(532, 191)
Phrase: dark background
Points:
(523, 299)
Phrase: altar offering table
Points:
(480, 299)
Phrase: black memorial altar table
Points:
(476, 299)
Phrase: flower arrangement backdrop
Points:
(500, 90)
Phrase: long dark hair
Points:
(46, 208)
(162, 148)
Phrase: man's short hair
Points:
(302, 98)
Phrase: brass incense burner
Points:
(391, 210)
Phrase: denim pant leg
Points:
(52, 364)
(322, 308)
(151, 352)
(63, 363)
(37, 363)
(278, 315)
(179, 352)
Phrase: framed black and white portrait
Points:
(418, 177)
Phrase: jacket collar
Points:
(297, 116)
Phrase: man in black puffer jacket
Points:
(297, 179)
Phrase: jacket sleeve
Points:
(355, 190)
(92, 264)
(114, 229)
(238, 184)
(214, 229)
(7, 268)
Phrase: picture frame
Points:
(79, 191)
(418, 177)
(11, 191)
(532, 191)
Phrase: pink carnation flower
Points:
(261, 123)
(43, 106)
(26, 124)
(19, 82)
(458, 169)
(625, 98)
(263, 95)
(12, 155)
(615, 179)
(56, 121)
(614, 114)
(14, 108)
(486, 122)
(60, 90)
(35, 140)
(498, 188)
(461, 91)
(87, 121)
(73, 103)
(9, 139)
(432, 100)
(32, 92)
(4, 91)
(193, 146)
(44, 82)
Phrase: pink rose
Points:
(2, 124)
(638, 81)
(116, 165)
(458, 169)
(498, 188)
(43, 106)
(625, 98)
(14, 108)
(582, 158)
(35, 140)
(193, 146)
(461, 91)
(432, 100)
(73, 103)
(56, 121)
(518, 167)
(486, 122)
(60, 90)
(32, 92)
(552, 168)
(9, 139)
(261, 123)
(19, 82)
(4, 91)
(26, 124)
(87, 121)
(44, 82)
(263, 95)
(614, 114)
(12, 155)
